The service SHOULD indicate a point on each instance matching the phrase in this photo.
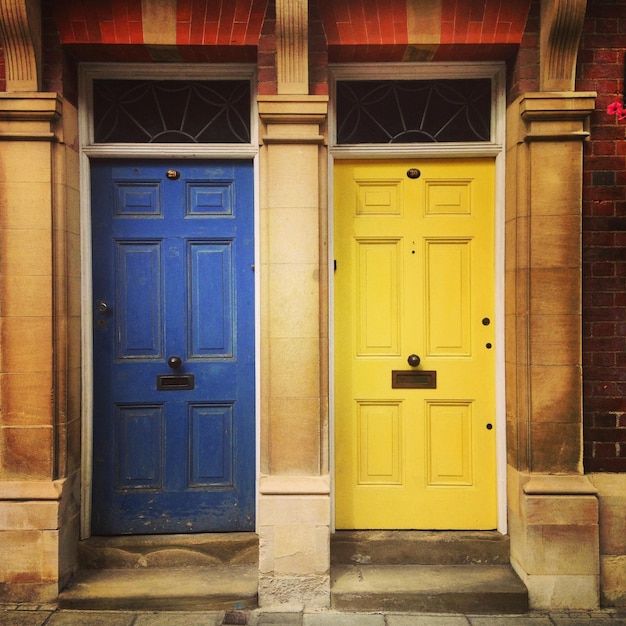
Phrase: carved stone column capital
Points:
(30, 117)
(561, 29)
(292, 44)
(20, 34)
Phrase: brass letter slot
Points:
(175, 382)
(420, 379)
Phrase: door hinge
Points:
(335, 264)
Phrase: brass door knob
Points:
(413, 360)
(174, 362)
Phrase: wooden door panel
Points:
(379, 443)
(376, 278)
(211, 445)
(447, 306)
(139, 433)
(140, 326)
(211, 316)
(449, 443)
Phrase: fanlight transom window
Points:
(171, 111)
(413, 111)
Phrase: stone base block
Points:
(297, 592)
(38, 537)
(553, 524)
(613, 580)
(559, 592)
(29, 593)
(294, 542)
(612, 495)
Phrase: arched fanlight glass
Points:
(413, 111)
(171, 111)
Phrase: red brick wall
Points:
(266, 54)
(318, 52)
(601, 69)
(523, 70)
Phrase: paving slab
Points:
(23, 618)
(274, 618)
(176, 618)
(91, 618)
(587, 619)
(430, 619)
(513, 620)
(343, 619)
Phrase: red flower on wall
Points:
(617, 108)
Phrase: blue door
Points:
(173, 287)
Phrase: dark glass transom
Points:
(171, 111)
(413, 111)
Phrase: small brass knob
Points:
(413, 360)
(174, 362)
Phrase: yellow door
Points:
(414, 249)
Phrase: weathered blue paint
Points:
(173, 261)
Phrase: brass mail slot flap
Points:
(175, 382)
(406, 379)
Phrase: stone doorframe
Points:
(553, 514)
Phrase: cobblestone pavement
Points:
(49, 615)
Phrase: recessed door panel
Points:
(139, 432)
(211, 445)
(447, 277)
(138, 266)
(377, 295)
(211, 313)
(379, 442)
(449, 443)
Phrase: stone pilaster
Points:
(294, 499)
(553, 512)
(39, 339)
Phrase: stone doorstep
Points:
(162, 551)
(428, 589)
(233, 587)
(383, 547)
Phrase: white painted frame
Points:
(88, 72)
(494, 148)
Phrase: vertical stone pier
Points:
(553, 508)
(294, 499)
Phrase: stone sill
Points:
(294, 485)
(546, 485)
(20, 490)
